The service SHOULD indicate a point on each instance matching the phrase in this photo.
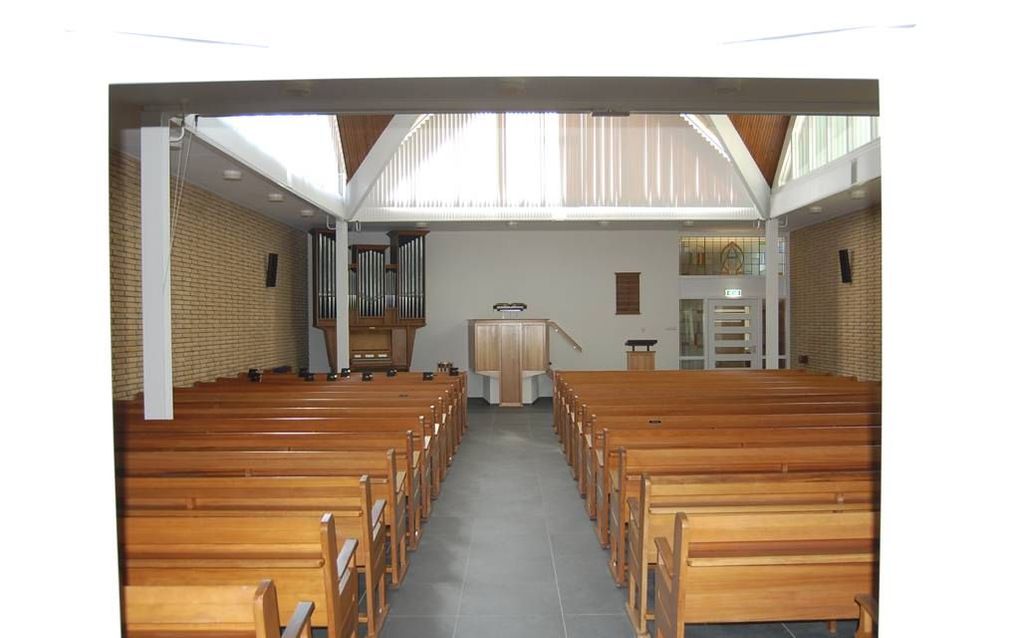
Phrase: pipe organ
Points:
(386, 297)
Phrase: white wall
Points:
(563, 275)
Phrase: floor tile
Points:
(519, 626)
(598, 626)
(425, 599)
(502, 598)
(586, 585)
(418, 627)
(844, 629)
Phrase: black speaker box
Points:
(271, 271)
(844, 266)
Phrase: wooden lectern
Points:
(641, 360)
(510, 352)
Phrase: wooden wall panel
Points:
(536, 337)
(764, 136)
(510, 364)
(358, 134)
(486, 347)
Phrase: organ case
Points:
(386, 298)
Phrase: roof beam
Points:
(747, 169)
(361, 183)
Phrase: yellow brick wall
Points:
(838, 326)
(224, 318)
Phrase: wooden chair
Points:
(210, 611)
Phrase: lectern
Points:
(641, 360)
(509, 354)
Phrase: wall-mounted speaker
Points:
(271, 270)
(844, 266)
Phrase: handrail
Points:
(558, 328)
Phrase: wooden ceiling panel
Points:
(358, 134)
(764, 136)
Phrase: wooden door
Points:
(510, 364)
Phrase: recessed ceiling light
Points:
(421, 224)
(688, 222)
(858, 193)
(307, 212)
(511, 223)
(232, 174)
(815, 209)
(275, 197)
(603, 223)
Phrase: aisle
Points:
(509, 551)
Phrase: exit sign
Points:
(733, 293)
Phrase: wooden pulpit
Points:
(641, 359)
(510, 354)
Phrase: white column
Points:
(772, 294)
(157, 359)
(343, 308)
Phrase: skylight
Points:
(491, 166)
(307, 146)
(817, 140)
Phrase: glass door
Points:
(733, 334)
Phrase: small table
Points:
(641, 360)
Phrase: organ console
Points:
(386, 298)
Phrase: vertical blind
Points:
(817, 140)
(557, 166)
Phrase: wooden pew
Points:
(593, 428)
(635, 463)
(663, 387)
(402, 445)
(425, 439)
(779, 566)
(445, 394)
(358, 473)
(652, 513)
(301, 554)
(210, 611)
(745, 406)
(611, 441)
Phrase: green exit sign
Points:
(733, 293)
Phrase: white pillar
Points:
(157, 355)
(343, 308)
(772, 294)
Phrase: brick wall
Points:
(838, 326)
(224, 318)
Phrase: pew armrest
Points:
(665, 555)
(634, 505)
(868, 605)
(345, 559)
(300, 624)
(377, 511)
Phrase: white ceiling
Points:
(836, 205)
(204, 169)
(205, 165)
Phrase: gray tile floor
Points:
(509, 551)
